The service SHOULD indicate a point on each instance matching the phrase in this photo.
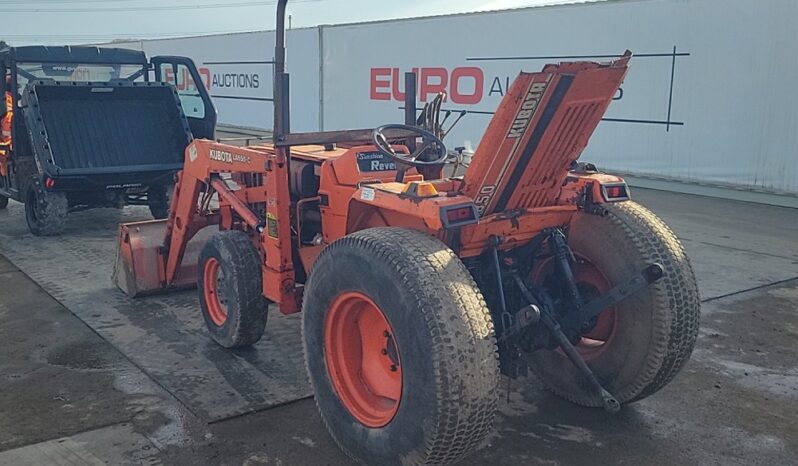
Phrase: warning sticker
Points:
(271, 225)
(367, 194)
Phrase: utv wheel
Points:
(46, 211)
(3, 202)
(638, 346)
(159, 198)
(400, 349)
(230, 290)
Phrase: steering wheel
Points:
(430, 141)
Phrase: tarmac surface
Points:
(162, 334)
(79, 387)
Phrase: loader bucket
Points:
(139, 268)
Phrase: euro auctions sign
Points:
(213, 81)
(463, 85)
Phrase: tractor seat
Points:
(303, 182)
(306, 166)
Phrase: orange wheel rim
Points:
(591, 283)
(363, 359)
(214, 291)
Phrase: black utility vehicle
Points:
(97, 127)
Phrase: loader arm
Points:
(257, 170)
(240, 178)
(205, 162)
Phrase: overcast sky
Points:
(83, 21)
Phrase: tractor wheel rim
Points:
(363, 359)
(591, 282)
(214, 292)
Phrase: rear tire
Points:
(654, 331)
(3, 202)
(231, 290)
(159, 199)
(46, 211)
(443, 344)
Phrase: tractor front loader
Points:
(418, 290)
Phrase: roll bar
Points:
(282, 114)
(279, 44)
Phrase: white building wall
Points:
(733, 115)
(240, 77)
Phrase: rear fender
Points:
(364, 215)
(604, 188)
(379, 205)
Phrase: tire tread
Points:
(462, 340)
(244, 270)
(51, 218)
(676, 318)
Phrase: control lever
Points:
(458, 160)
(459, 117)
(446, 116)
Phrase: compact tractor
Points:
(417, 289)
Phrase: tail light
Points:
(615, 192)
(457, 216)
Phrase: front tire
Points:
(400, 349)
(46, 211)
(231, 290)
(637, 347)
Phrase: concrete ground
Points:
(67, 396)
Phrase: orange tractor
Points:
(418, 290)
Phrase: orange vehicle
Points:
(418, 289)
(6, 117)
